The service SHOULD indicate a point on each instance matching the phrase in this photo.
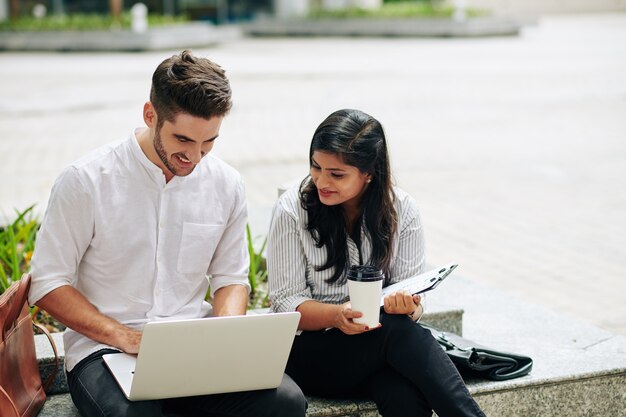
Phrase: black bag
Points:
(477, 360)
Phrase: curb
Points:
(172, 37)
(419, 27)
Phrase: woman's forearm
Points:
(317, 316)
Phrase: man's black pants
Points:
(96, 393)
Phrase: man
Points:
(130, 235)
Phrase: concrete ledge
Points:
(169, 37)
(59, 405)
(422, 27)
(581, 396)
(579, 370)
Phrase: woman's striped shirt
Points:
(292, 255)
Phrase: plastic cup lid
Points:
(365, 273)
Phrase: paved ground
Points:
(515, 148)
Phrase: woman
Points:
(348, 213)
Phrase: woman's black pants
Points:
(400, 366)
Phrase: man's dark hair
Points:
(188, 84)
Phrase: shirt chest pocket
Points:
(197, 246)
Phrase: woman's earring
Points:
(368, 180)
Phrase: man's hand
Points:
(130, 340)
(401, 302)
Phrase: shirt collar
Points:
(151, 168)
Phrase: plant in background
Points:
(17, 241)
(257, 276)
(83, 22)
(395, 9)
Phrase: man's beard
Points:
(158, 147)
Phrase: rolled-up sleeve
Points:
(65, 234)
(286, 262)
(231, 261)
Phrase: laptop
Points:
(206, 356)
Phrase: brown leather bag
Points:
(21, 392)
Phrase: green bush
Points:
(395, 9)
(403, 9)
(83, 22)
(17, 241)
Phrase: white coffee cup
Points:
(365, 285)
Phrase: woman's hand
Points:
(344, 320)
(401, 303)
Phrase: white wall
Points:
(291, 8)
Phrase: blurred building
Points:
(223, 11)
(213, 10)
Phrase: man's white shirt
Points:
(138, 248)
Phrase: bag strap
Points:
(8, 399)
(53, 374)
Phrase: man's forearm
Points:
(231, 300)
(71, 308)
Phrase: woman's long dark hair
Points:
(359, 140)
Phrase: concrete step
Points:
(59, 405)
(188, 35)
(579, 370)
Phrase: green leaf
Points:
(17, 241)
(257, 272)
(4, 282)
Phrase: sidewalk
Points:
(513, 147)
